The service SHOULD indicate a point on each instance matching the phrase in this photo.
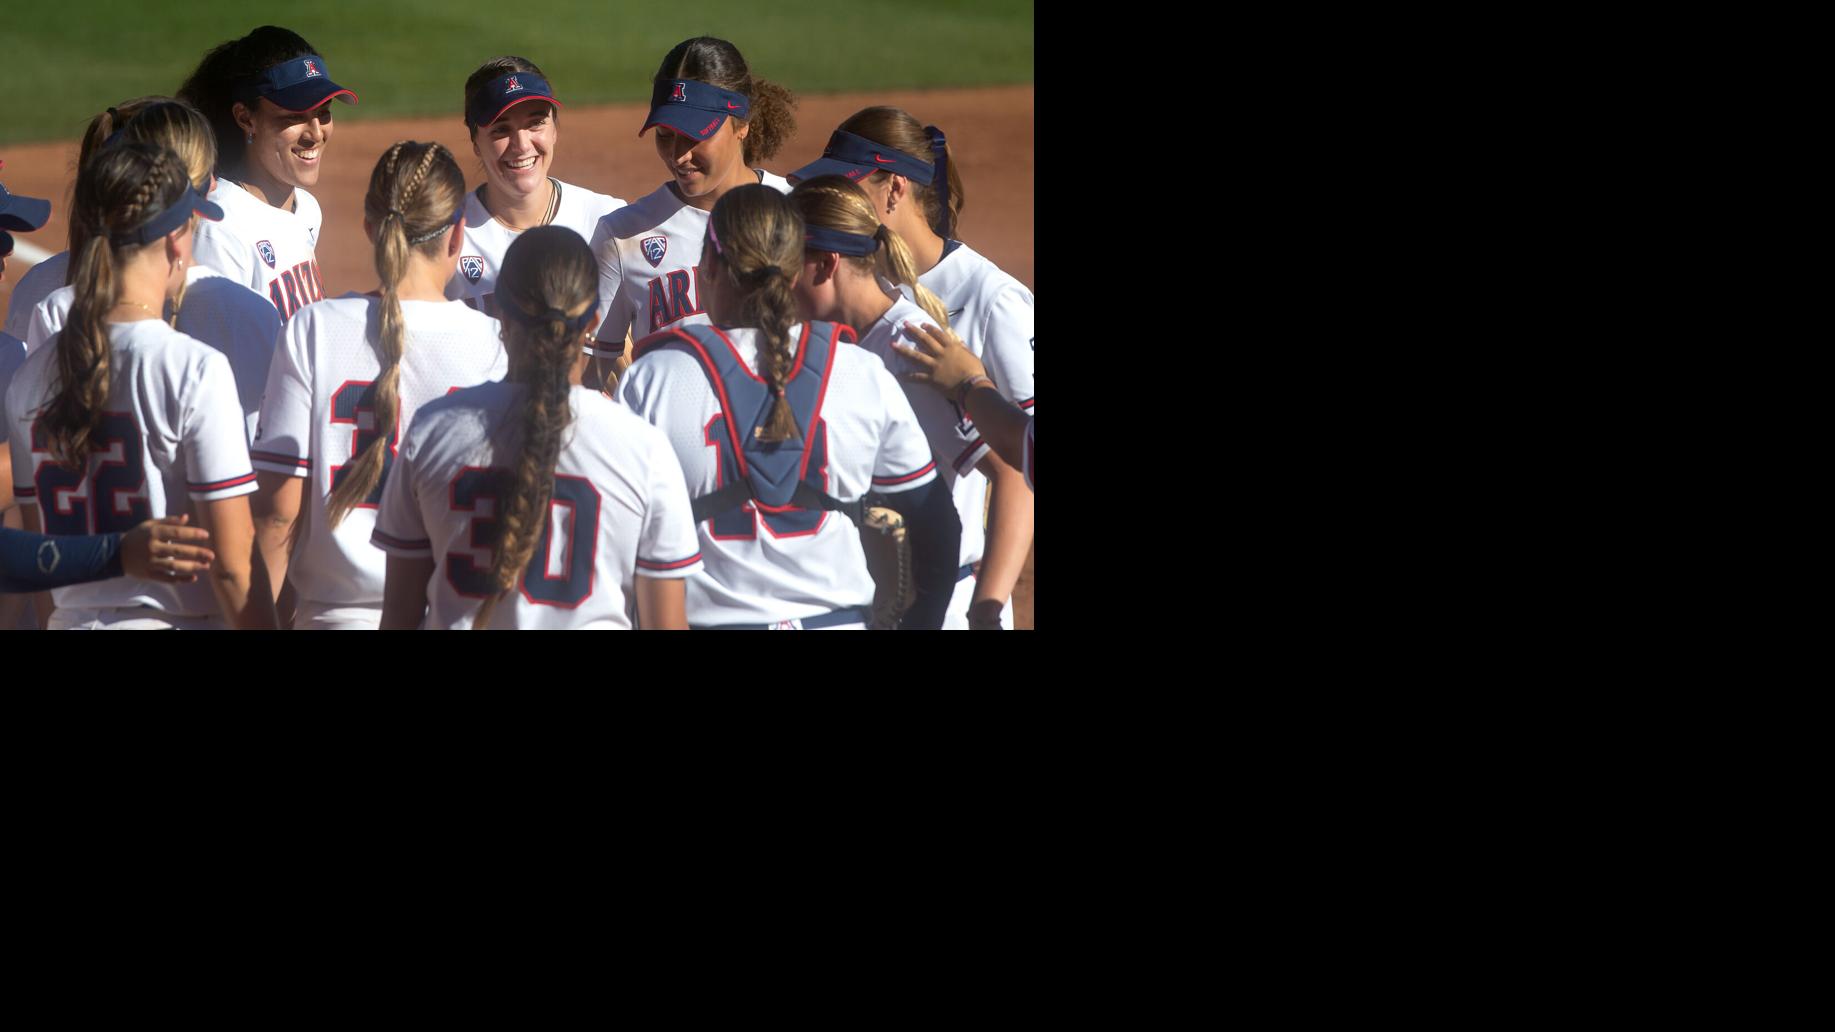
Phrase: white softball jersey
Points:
(486, 239)
(37, 283)
(953, 439)
(620, 509)
(267, 249)
(316, 415)
(648, 252)
(218, 311)
(172, 437)
(992, 313)
(773, 573)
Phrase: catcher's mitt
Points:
(889, 560)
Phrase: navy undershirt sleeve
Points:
(40, 562)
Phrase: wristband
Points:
(960, 392)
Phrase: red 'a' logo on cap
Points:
(311, 69)
(512, 85)
(681, 92)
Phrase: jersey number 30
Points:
(565, 583)
(57, 486)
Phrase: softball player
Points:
(514, 140)
(120, 418)
(907, 170)
(534, 502)
(349, 375)
(776, 423)
(268, 97)
(155, 550)
(713, 119)
(41, 279)
(852, 271)
(210, 307)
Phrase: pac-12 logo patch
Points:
(512, 85)
(311, 69)
(266, 251)
(681, 92)
(654, 248)
(472, 266)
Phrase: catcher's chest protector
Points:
(771, 473)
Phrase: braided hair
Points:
(415, 194)
(118, 190)
(757, 237)
(548, 296)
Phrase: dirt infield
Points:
(990, 132)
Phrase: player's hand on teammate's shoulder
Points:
(942, 360)
(166, 550)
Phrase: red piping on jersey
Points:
(246, 478)
(395, 542)
(649, 564)
(280, 460)
(726, 405)
(908, 477)
(834, 345)
(975, 446)
(1027, 403)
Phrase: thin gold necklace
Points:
(554, 206)
(138, 305)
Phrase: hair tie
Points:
(939, 149)
(397, 213)
(778, 390)
(112, 114)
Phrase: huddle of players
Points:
(722, 492)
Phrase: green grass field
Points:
(411, 57)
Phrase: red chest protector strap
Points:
(773, 474)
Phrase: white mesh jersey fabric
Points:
(620, 509)
(38, 281)
(218, 311)
(873, 443)
(173, 437)
(953, 439)
(486, 239)
(992, 313)
(647, 253)
(267, 249)
(316, 407)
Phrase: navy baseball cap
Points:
(22, 214)
(505, 92)
(6, 244)
(857, 157)
(694, 109)
(302, 84)
(166, 221)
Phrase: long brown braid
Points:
(834, 202)
(415, 191)
(547, 294)
(120, 187)
(757, 236)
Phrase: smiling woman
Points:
(713, 120)
(268, 98)
(513, 120)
